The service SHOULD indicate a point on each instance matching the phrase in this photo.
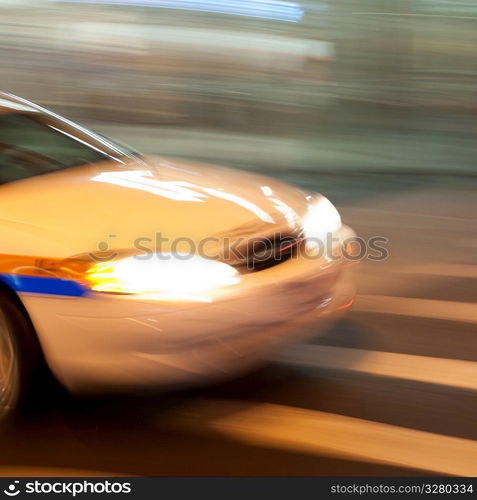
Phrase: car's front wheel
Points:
(19, 359)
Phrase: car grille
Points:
(257, 254)
(253, 247)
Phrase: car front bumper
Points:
(105, 342)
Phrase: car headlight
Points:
(168, 273)
(321, 219)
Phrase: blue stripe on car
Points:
(44, 285)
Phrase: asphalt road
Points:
(389, 390)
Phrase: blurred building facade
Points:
(401, 73)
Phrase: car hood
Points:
(110, 206)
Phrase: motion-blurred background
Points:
(373, 103)
(335, 84)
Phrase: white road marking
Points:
(449, 372)
(441, 269)
(319, 433)
(422, 308)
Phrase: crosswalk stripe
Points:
(441, 269)
(320, 433)
(422, 308)
(449, 372)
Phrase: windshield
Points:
(36, 144)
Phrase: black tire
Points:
(21, 361)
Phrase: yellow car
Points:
(119, 271)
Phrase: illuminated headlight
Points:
(167, 273)
(322, 219)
